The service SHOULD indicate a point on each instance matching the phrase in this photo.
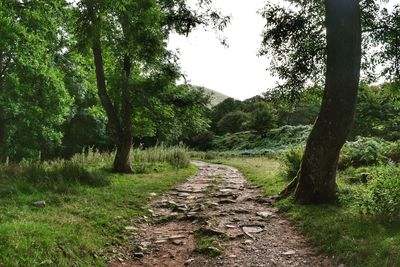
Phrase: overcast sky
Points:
(235, 71)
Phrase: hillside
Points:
(216, 97)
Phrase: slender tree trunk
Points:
(111, 111)
(122, 162)
(121, 132)
(317, 175)
(2, 139)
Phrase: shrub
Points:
(393, 152)
(276, 142)
(178, 157)
(233, 122)
(210, 155)
(291, 162)
(263, 118)
(364, 151)
(197, 154)
(382, 197)
(202, 141)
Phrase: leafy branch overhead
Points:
(294, 38)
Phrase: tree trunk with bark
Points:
(122, 162)
(316, 180)
(2, 139)
(121, 129)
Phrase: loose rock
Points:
(289, 252)
(264, 214)
(131, 228)
(39, 204)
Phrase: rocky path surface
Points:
(216, 218)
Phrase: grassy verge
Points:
(355, 239)
(259, 171)
(81, 220)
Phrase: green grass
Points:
(353, 238)
(209, 243)
(259, 171)
(78, 225)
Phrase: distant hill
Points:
(216, 97)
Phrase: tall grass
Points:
(92, 157)
(58, 176)
(177, 156)
(66, 176)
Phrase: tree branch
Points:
(112, 114)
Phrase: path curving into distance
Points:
(236, 224)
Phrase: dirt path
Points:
(216, 218)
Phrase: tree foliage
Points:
(294, 38)
(33, 97)
(51, 56)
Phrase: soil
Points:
(216, 204)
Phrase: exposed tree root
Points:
(289, 189)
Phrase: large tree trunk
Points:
(122, 162)
(317, 175)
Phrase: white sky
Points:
(236, 71)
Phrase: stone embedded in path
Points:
(177, 242)
(224, 195)
(264, 214)
(189, 190)
(227, 201)
(225, 190)
(131, 228)
(184, 195)
(289, 252)
(252, 229)
(176, 237)
(189, 261)
(242, 211)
